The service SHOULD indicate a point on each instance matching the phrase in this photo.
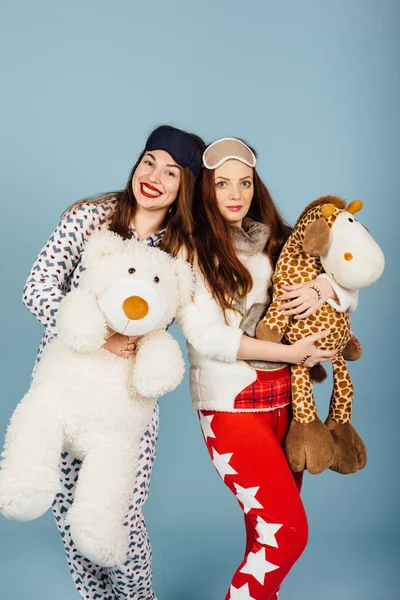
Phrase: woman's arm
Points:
(303, 352)
(45, 286)
(303, 299)
(203, 325)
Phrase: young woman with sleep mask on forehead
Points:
(240, 385)
(155, 207)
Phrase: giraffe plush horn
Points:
(354, 207)
(327, 210)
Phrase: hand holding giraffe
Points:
(305, 353)
(301, 300)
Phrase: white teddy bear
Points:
(92, 402)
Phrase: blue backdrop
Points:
(315, 87)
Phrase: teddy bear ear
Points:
(316, 237)
(185, 276)
(100, 244)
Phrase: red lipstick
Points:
(149, 187)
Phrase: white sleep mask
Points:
(226, 149)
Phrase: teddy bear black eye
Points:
(351, 220)
(131, 271)
(156, 279)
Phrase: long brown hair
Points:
(224, 273)
(179, 223)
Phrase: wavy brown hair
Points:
(225, 275)
(179, 221)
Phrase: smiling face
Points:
(156, 180)
(234, 189)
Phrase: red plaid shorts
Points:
(270, 390)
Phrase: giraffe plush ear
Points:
(316, 237)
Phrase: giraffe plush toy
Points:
(327, 237)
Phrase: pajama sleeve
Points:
(204, 327)
(347, 299)
(50, 274)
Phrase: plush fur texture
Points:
(93, 403)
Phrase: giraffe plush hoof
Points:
(309, 446)
(263, 332)
(350, 451)
(352, 350)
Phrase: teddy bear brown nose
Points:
(135, 308)
(348, 256)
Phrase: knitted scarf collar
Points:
(251, 237)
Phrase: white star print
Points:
(242, 593)
(221, 463)
(257, 566)
(247, 497)
(205, 423)
(267, 532)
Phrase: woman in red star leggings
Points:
(240, 385)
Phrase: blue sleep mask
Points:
(178, 144)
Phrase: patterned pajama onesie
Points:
(55, 271)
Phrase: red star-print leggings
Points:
(247, 453)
